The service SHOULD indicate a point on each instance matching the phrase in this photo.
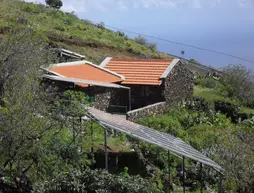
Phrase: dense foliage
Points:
(93, 181)
(215, 124)
(241, 83)
(215, 136)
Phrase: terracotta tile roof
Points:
(139, 71)
(85, 71)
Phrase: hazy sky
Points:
(220, 25)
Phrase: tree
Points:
(57, 4)
(24, 115)
(240, 83)
(140, 40)
(237, 158)
(35, 138)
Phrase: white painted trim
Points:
(85, 62)
(169, 68)
(70, 63)
(84, 81)
(50, 71)
(105, 62)
(74, 53)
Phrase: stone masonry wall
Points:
(102, 97)
(148, 111)
(144, 95)
(178, 85)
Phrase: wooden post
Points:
(183, 170)
(201, 178)
(169, 180)
(91, 127)
(129, 99)
(220, 184)
(106, 149)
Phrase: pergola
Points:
(168, 142)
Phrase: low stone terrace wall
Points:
(148, 111)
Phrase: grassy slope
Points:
(211, 95)
(68, 31)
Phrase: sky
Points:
(222, 25)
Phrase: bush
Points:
(240, 81)
(31, 8)
(152, 46)
(208, 82)
(60, 28)
(93, 181)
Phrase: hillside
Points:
(68, 31)
(47, 143)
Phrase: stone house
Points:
(153, 80)
(121, 85)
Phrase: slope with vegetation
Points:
(219, 122)
(45, 145)
(68, 31)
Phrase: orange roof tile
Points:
(85, 71)
(139, 71)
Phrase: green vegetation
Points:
(98, 180)
(42, 134)
(215, 136)
(67, 30)
(210, 95)
(45, 144)
(247, 110)
(227, 90)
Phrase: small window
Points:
(91, 98)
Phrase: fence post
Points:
(183, 170)
(106, 148)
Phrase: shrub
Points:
(93, 181)
(208, 82)
(60, 28)
(31, 8)
(240, 81)
(152, 46)
(140, 40)
(237, 158)
(80, 27)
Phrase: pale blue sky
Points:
(221, 25)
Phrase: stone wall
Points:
(102, 98)
(143, 95)
(110, 99)
(148, 111)
(178, 84)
